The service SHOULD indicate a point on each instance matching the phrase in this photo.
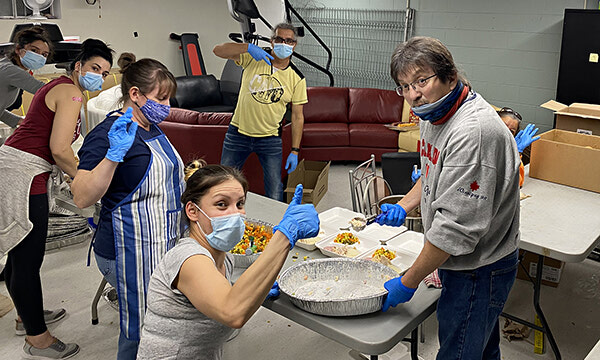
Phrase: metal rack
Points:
(362, 42)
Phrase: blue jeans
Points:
(127, 348)
(469, 307)
(237, 147)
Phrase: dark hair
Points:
(286, 26)
(506, 111)
(27, 36)
(200, 178)
(125, 59)
(421, 52)
(146, 74)
(92, 48)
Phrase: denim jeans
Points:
(237, 147)
(469, 307)
(127, 348)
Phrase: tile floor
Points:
(68, 283)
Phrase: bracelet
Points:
(295, 149)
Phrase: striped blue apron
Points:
(146, 225)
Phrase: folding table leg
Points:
(545, 328)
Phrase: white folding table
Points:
(560, 222)
(372, 334)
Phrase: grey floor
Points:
(573, 314)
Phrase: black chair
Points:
(200, 93)
(397, 168)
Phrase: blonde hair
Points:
(192, 167)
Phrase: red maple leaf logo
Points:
(474, 186)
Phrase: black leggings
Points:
(22, 271)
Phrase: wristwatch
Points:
(295, 149)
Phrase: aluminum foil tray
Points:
(243, 261)
(337, 286)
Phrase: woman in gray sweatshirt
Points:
(32, 48)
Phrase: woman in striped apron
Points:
(129, 163)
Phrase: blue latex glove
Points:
(397, 293)
(120, 137)
(299, 221)
(259, 54)
(391, 214)
(526, 136)
(291, 162)
(416, 174)
(274, 292)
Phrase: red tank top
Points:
(33, 135)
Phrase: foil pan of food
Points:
(256, 236)
(337, 286)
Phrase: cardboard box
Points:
(550, 274)
(567, 158)
(581, 118)
(314, 176)
(409, 140)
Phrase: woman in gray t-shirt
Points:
(192, 306)
(32, 47)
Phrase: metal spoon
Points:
(384, 242)
(362, 223)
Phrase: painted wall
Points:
(153, 20)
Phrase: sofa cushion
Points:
(215, 118)
(215, 108)
(183, 116)
(331, 134)
(374, 106)
(372, 135)
(197, 91)
(326, 105)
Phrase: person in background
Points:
(469, 198)
(44, 139)
(524, 137)
(128, 163)
(192, 306)
(31, 49)
(269, 83)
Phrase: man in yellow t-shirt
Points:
(269, 83)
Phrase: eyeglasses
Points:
(402, 89)
(279, 40)
(508, 110)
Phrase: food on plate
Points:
(313, 240)
(358, 222)
(255, 237)
(383, 252)
(346, 238)
(347, 251)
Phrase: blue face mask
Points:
(437, 110)
(154, 112)
(91, 81)
(282, 50)
(227, 230)
(426, 108)
(33, 61)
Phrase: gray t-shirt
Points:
(13, 78)
(173, 327)
(470, 186)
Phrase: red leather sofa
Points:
(348, 123)
(339, 124)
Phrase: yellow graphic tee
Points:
(264, 94)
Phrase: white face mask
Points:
(227, 230)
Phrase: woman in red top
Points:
(43, 139)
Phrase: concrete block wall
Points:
(508, 49)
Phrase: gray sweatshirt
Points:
(470, 186)
(13, 78)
